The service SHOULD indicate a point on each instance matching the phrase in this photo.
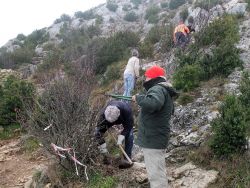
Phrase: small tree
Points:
(223, 29)
(14, 95)
(152, 14)
(184, 14)
(229, 129)
(164, 4)
(187, 77)
(174, 4)
(63, 18)
(87, 15)
(63, 116)
(112, 6)
(131, 16)
(245, 97)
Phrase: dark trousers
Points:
(181, 39)
(129, 142)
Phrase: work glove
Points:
(120, 139)
(103, 148)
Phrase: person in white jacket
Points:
(131, 73)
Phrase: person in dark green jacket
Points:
(154, 129)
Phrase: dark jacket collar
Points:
(148, 84)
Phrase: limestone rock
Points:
(191, 176)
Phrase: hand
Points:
(120, 139)
(103, 148)
(134, 98)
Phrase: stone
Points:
(142, 178)
(191, 176)
(239, 8)
(137, 166)
(28, 184)
(48, 185)
(212, 115)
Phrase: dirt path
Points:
(16, 166)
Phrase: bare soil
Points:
(16, 166)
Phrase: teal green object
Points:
(129, 98)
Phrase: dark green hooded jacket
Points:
(156, 110)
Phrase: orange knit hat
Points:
(155, 71)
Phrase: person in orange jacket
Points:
(181, 34)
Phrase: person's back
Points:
(131, 73)
(182, 28)
(181, 35)
(132, 66)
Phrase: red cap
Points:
(154, 71)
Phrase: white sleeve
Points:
(136, 67)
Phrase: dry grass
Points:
(233, 172)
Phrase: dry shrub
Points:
(64, 108)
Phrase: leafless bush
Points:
(63, 116)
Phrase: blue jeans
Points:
(129, 82)
(129, 142)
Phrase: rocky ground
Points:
(16, 166)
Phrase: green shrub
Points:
(207, 4)
(223, 29)
(184, 14)
(14, 95)
(98, 20)
(111, 20)
(187, 77)
(174, 4)
(113, 72)
(87, 15)
(114, 49)
(63, 18)
(98, 180)
(224, 60)
(164, 4)
(112, 6)
(155, 34)
(189, 58)
(229, 130)
(51, 61)
(93, 30)
(10, 131)
(244, 98)
(126, 7)
(167, 42)
(146, 49)
(131, 16)
(248, 6)
(136, 2)
(30, 145)
(21, 56)
(21, 37)
(185, 98)
(152, 14)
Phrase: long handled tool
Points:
(121, 148)
(128, 98)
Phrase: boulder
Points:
(190, 175)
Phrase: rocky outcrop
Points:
(4, 73)
(185, 176)
(190, 175)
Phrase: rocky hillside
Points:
(75, 44)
